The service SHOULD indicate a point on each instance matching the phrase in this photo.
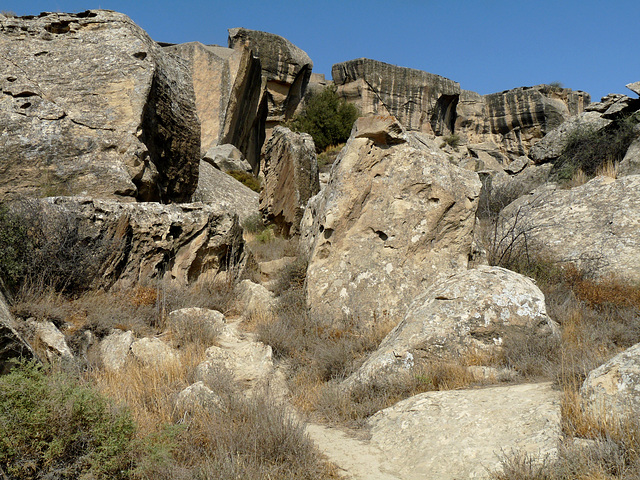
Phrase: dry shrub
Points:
(272, 249)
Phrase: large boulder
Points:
(92, 106)
(420, 101)
(12, 345)
(228, 91)
(286, 70)
(290, 169)
(227, 158)
(142, 242)
(468, 314)
(392, 219)
(463, 434)
(612, 391)
(594, 226)
(218, 188)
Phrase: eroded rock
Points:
(115, 348)
(12, 345)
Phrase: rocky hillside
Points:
(451, 293)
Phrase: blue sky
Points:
(486, 45)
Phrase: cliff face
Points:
(105, 110)
(419, 100)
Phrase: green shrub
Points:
(452, 140)
(327, 118)
(51, 426)
(246, 179)
(266, 236)
(589, 149)
(14, 250)
(253, 223)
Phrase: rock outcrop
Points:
(464, 433)
(466, 315)
(286, 70)
(107, 113)
(594, 226)
(392, 219)
(12, 345)
(218, 188)
(612, 391)
(228, 92)
(227, 158)
(290, 169)
(142, 242)
(419, 100)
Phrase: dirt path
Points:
(357, 459)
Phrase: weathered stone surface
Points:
(469, 313)
(630, 164)
(150, 241)
(254, 298)
(153, 352)
(52, 341)
(419, 100)
(286, 70)
(197, 397)
(269, 271)
(115, 348)
(384, 130)
(290, 169)
(227, 158)
(612, 391)
(228, 92)
(604, 103)
(516, 119)
(391, 220)
(196, 322)
(106, 111)
(463, 433)
(12, 345)
(634, 87)
(594, 225)
(554, 143)
(218, 188)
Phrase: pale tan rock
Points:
(630, 164)
(53, 341)
(462, 434)
(227, 158)
(195, 322)
(594, 226)
(612, 391)
(468, 313)
(228, 92)
(153, 352)
(269, 271)
(634, 87)
(107, 112)
(391, 220)
(290, 169)
(196, 398)
(221, 189)
(115, 348)
(255, 299)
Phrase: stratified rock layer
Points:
(91, 105)
(290, 169)
(392, 219)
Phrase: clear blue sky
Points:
(486, 45)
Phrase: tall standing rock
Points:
(286, 70)
(91, 105)
(228, 89)
(290, 168)
(392, 219)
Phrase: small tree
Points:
(327, 118)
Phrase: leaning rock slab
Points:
(461, 434)
(612, 390)
(392, 219)
(594, 226)
(106, 111)
(52, 341)
(470, 312)
(290, 169)
(12, 345)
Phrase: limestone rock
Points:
(147, 241)
(604, 103)
(630, 164)
(52, 341)
(227, 158)
(634, 87)
(197, 397)
(153, 352)
(228, 92)
(553, 144)
(269, 271)
(612, 390)
(594, 225)
(220, 189)
(12, 345)
(290, 169)
(286, 70)
(254, 298)
(419, 100)
(194, 322)
(460, 434)
(391, 220)
(470, 312)
(115, 348)
(107, 112)
(384, 130)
